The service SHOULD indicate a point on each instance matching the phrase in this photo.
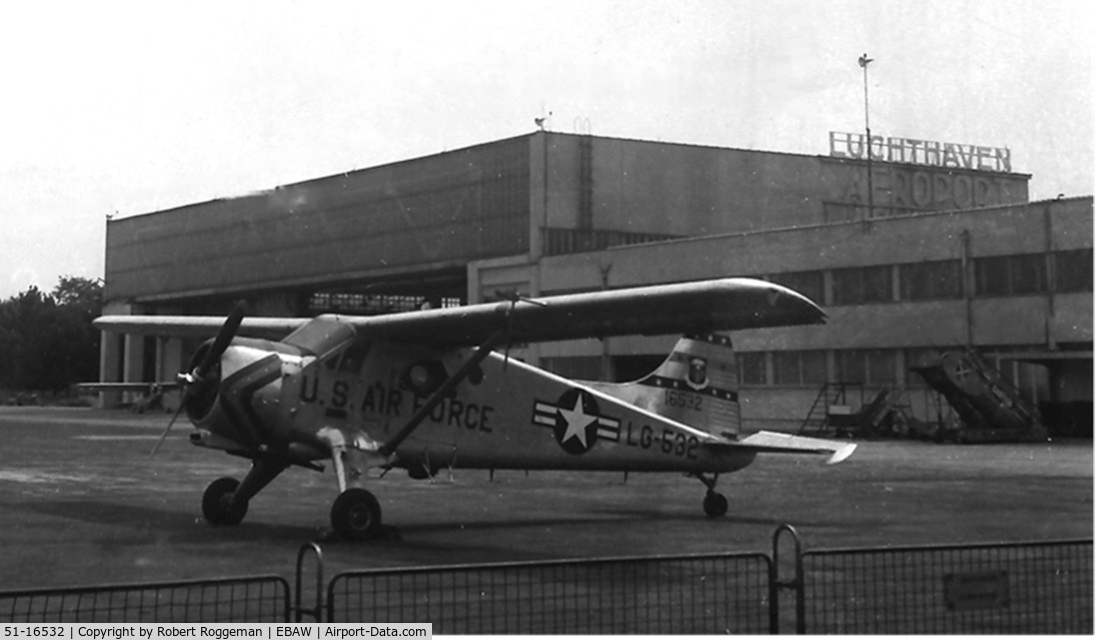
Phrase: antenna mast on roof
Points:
(864, 62)
(541, 122)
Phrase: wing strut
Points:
(483, 351)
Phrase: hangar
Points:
(921, 247)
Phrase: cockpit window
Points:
(349, 360)
(321, 336)
(352, 358)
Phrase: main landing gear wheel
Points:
(217, 503)
(356, 515)
(715, 504)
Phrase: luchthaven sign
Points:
(949, 155)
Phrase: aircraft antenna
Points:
(541, 122)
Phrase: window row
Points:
(373, 304)
(870, 367)
(944, 279)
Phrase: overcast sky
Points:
(115, 108)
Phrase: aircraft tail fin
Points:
(695, 385)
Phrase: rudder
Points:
(695, 385)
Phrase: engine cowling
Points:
(236, 401)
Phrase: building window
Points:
(850, 366)
(753, 367)
(1010, 275)
(931, 280)
(809, 283)
(865, 366)
(815, 367)
(799, 368)
(373, 304)
(788, 367)
(1073, 271)
(862, 285)
(880, 366)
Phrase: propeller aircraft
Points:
(427, 390)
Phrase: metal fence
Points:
(251, 599)
(997, 588)
(1040, 587)
(709, 594)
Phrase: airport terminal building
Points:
(928, 247)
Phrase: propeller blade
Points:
(224, 337)
(164, 436)
(221, 343)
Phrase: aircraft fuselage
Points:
(504, 416)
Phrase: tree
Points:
(47, 340)
(27, 318)
(79, 293)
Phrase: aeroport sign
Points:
(924, 152)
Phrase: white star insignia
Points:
(576, 422)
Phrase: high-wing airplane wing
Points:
(126, 386)
(196, 326)
(696, 307)
(692, 307)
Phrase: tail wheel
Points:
(217, 503)
(356, 515)
(715, 504)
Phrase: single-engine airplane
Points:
(427, 390)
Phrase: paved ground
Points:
(82, 503)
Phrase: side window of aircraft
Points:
(348, 360)
(353, 357)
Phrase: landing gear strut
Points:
(225, 501)
(715, 504)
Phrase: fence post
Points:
(318, 598)
(797, 583)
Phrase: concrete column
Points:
(110, 349)
(174, 362)
(132, 363)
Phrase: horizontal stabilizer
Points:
(772, 442)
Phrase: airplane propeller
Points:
(194, 378)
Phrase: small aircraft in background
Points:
(427, 390)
